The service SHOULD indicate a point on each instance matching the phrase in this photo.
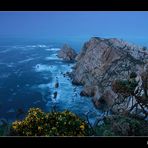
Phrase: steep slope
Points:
(103, 60)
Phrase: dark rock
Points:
(89, 91)
(55, 94)
(74, 82)
(56, 85)
(67, 53)
(105, 100)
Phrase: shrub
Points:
(133, 75)
(124, 87)
(117, 125)
(38, 123)
(120, 86)
(4, 127)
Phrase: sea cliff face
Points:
(101, 61)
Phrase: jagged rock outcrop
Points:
(67, 53)
(103, 60)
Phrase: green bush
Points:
(1, 131)
(124, 87)
(4, 127)
(117, 125)
(38, 123)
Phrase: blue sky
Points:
(76, 25)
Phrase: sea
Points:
(29, 71)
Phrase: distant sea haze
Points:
(75, 42)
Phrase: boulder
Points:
(106, 99)
(67, 53)
(89, 90)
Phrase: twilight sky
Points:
(78, 25)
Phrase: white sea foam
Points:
(52, 49)
(27, 60)
(52, 57)
(46, 77)
(8, 65)
(20, 47)
(44, 86)
(41, 46)
(42, 68)
(31, 46)
(34, 46)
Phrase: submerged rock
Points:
(67, 53)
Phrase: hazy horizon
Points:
(76, 26)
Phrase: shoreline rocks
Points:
(67, 53)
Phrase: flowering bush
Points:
(38, 123)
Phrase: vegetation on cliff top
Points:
(39, 123)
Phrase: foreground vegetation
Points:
(118, 125)
(39, 123)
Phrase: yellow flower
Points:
(14, 126)
(82, 127)
(39, 128)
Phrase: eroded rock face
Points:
(67, 53)
(105, 100)
(103, 60)
(89, 90)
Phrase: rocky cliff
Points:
(67, 53)
(103, 60)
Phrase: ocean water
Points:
(28, 73)
(29, 70)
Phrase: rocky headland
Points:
(102, 61)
